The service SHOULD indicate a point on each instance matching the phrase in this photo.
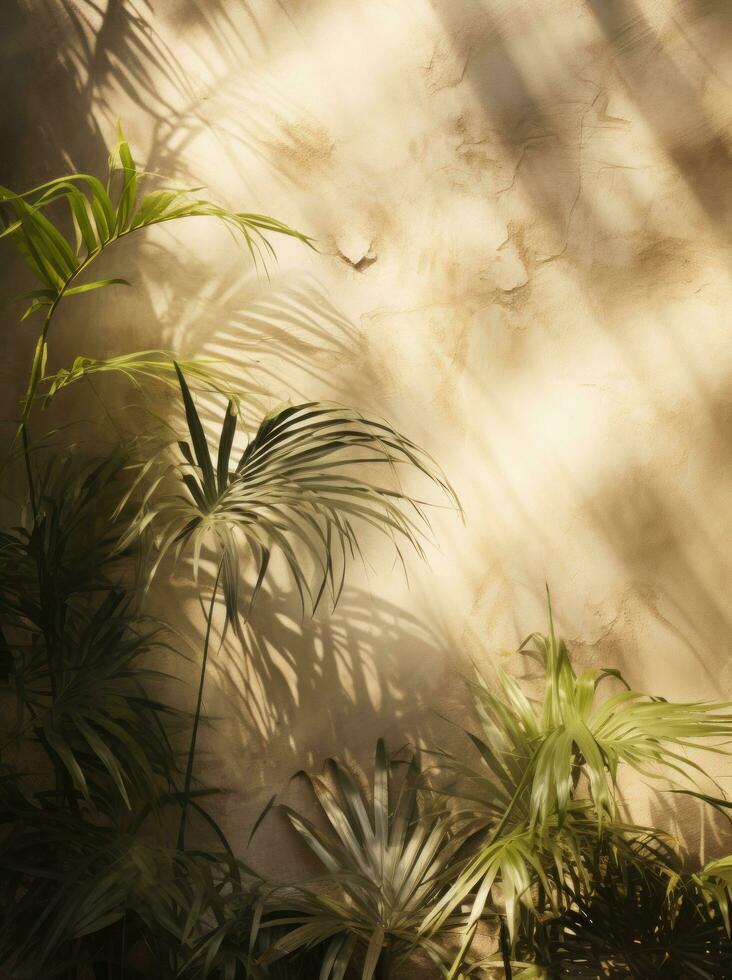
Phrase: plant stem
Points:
(123, 951)
(36, 374)
(197, 716)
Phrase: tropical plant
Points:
(547, 791)
(385, 859)
(296, 488)
(99, 218)
(94, 873)
(86, 834)
(78, 644)
(84, 891)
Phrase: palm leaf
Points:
(529, 823)
(99, 220)
(387, 864)
(292, 490)
(81, 650)
(639, 920)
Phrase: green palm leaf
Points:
(530, 820)
(293, 489)
(102, 215)
(67, 882)
(639, 920)
(387, 859)
(81, 649)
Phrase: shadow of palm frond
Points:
(282, 335)
(293, 690)
(655, 539)
(117, 46)
(703, 833)
(695, 142)
(304, 689)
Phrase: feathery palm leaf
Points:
(573, 732)
(100, 217)
(147, 365)
(234, 942)
(293, 489)
(66, 881)
(79, 647)
(68, 548)
(102, 214)
(714, 881)
(91, 706)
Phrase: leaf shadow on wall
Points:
(549, 116)
(296, 689)
(703, 832)
(671, 106)
(653, 542)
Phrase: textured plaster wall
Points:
(523, 211)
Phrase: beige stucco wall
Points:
(523, 215)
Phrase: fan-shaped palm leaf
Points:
(388, 865)
(639, 920)
(294, 489)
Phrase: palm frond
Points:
(102, 213)
(81, 651)
(95, 712)
(573, 731)
(714, 881)
(638, 920)
(527, 809)
(294, 489)
(147, 365)
(66, 881)
(387, 859)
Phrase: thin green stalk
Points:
(505, 947)
(62, 776)
(123, 952)
(38, 359)
(197, 716)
